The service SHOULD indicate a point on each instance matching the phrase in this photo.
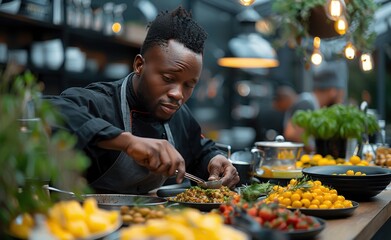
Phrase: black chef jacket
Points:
(94, 113)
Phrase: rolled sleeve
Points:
(96, 130)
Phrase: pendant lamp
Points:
(249, 49)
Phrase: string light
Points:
(246, 2)
(334, 9)
(366, 62)
(116, 27)
(350, 51)
(316, 57)
(316, 42)
(341, 25)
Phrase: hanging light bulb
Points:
(116, 27)
(334, 9)
(316, 57)
(350, 51)
(341, 25)
(246, 2)
(316, 42)
(366, 62)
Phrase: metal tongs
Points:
(216, 184)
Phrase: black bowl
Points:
(352, 187)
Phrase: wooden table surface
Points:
(364, 223)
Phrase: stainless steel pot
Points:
(277, 154)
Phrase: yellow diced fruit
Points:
(73, 211)
(58, 231)
(113, 217)
(55, 213)
(78, 228)
(98, 223)
(90, 206)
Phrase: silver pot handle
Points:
(258, 158)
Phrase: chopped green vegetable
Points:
(254, 191)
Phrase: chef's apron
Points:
(125, 175)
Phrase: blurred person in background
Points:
(329, 87)
(285, 96)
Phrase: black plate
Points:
(307, 234)
(172, 192)
(203, 207)
(352, 187)
(169, 192)
(329, 213)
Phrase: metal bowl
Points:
(115, 201)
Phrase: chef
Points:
(138, 131)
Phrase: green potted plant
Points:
(30, 155)
(336, 123)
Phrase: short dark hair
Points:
(177, 25)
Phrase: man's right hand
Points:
(157, 155)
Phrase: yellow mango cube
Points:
(78, 228)
(73, 211)
(90, 206)
(98, 223)
(56, 229)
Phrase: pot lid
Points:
(279, 142)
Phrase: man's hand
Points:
(156, 155)
(219, 166)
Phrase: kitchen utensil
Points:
(278, 154)
(204, 184)
(47, 187)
